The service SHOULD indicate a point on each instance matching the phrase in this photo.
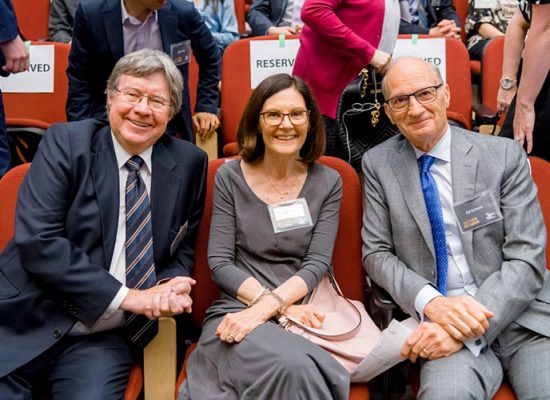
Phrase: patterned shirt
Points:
(499, 16)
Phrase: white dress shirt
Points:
(459, 277)
(113, 317)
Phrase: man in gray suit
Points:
(459, 243)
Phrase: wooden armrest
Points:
(159, 362)
(209, 145)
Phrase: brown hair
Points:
(249, 137)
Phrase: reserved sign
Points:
(270, 57)
(39, 77)
(430, 49)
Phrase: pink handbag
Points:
(348, 333)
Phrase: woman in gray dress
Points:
(274, 222)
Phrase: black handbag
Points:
(362, 121)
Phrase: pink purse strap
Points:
(323, 333)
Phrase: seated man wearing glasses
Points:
(454, 232)
(105, 227)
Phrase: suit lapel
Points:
(164, 193)
(405, 168)
(106, 185)
(168, 24)
(464, 164)
(111, 18)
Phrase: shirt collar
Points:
(132, 19)
(441, 151)
(122, 155)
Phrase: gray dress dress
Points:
(269, 363)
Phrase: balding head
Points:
(402, 64)
(416, 101)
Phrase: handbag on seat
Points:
(347, 333)
(362, 121)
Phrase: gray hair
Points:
(399, 60)
(146, 62)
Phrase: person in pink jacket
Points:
(339, 38)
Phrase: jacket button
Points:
(57, 334)
(433, 274)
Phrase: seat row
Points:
(160, 367)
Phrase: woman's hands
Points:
(235, 326)
(380, 60)
(306, 314)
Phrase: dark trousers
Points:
(91, 367)
(4, 148)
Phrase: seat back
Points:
(491, 71)
(45, 107)
(236, 88)
(32, 18)
(347, 264)
(459, 80)
(9, 186)
(540, 170)
(240, 13)
(205, 290)
(461, 7)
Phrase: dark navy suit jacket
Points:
(264, 14)
(8, 27)
(56, 269)
(98, 44)
(434, 13)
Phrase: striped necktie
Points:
(435, 215)
(140, 264)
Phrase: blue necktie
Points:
(435, 214)
(140, 264)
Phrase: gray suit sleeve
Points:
(380, 258)
(509, 291)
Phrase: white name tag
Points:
(289, 215)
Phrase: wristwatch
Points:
(507, 83)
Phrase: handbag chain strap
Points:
(375, 112)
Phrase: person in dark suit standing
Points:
(430, 17)
(14, 57)
(454, 232)
(105, 30)
(105, 227)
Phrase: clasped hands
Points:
(235, 326)
(446, 28)
(453, 321)
(163, 300)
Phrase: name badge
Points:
(289, 215)
(477, 213)
(181, 52)
(483, 4)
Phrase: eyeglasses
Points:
(275, 118)
(423, 96)
(134, 96)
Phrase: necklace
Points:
(282, 193)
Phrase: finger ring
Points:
(424, 351)
(230, 338)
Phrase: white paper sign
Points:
(39, 77)
(432, 50)
(268, 58)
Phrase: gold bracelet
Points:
(263, 291)
(282, 304)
